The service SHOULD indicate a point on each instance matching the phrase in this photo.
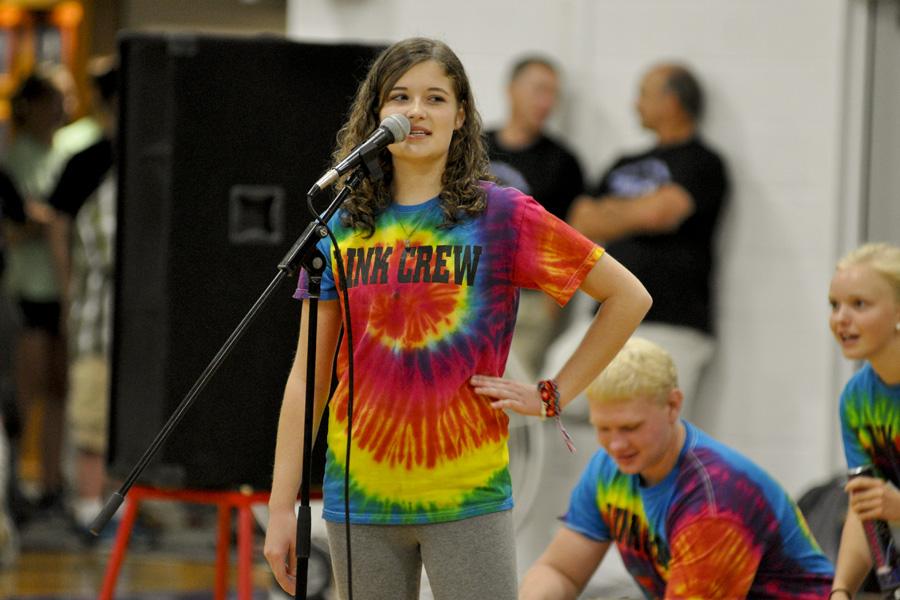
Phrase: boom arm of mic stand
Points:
(302, 250)
(116, 499)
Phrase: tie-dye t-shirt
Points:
(430, 307)
(870, 422)
(716, 527)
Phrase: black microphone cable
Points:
(342, 279)
(393, 128)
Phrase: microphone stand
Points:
(314, 263)
(303, 253)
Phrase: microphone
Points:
(393, 128)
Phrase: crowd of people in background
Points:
(58, 219)
(665, 495)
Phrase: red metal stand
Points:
(225, 500)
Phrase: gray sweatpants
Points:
(470, 559)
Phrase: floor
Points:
(163, 562)
(171, 557)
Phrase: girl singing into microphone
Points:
(434, 257)
(865, 320)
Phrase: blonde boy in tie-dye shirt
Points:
(690, 517)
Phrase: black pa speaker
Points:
(219, 140)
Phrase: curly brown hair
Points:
(467, 160)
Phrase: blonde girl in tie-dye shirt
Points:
(434, 256)
(865, 320)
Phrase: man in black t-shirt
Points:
(550, 173)
(524, 157)
(657, 211)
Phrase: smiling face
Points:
(427, 97)
(864, 313)
(640, 434)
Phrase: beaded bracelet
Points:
(549, 391)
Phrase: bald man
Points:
(657, 212)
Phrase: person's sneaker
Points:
(82, 513)
(89, 540)
(141, 538)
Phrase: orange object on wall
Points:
(46, 33)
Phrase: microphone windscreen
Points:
(398, 125)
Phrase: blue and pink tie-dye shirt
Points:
(430, 307)
(716, 527)
(870, 422)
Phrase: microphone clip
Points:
(364, 157)
(370, 164)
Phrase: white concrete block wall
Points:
(485, 34)
(773, 73)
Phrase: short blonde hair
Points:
(641, 368)
(881, 257)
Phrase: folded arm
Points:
(610, 217)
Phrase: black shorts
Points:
(44, 316)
